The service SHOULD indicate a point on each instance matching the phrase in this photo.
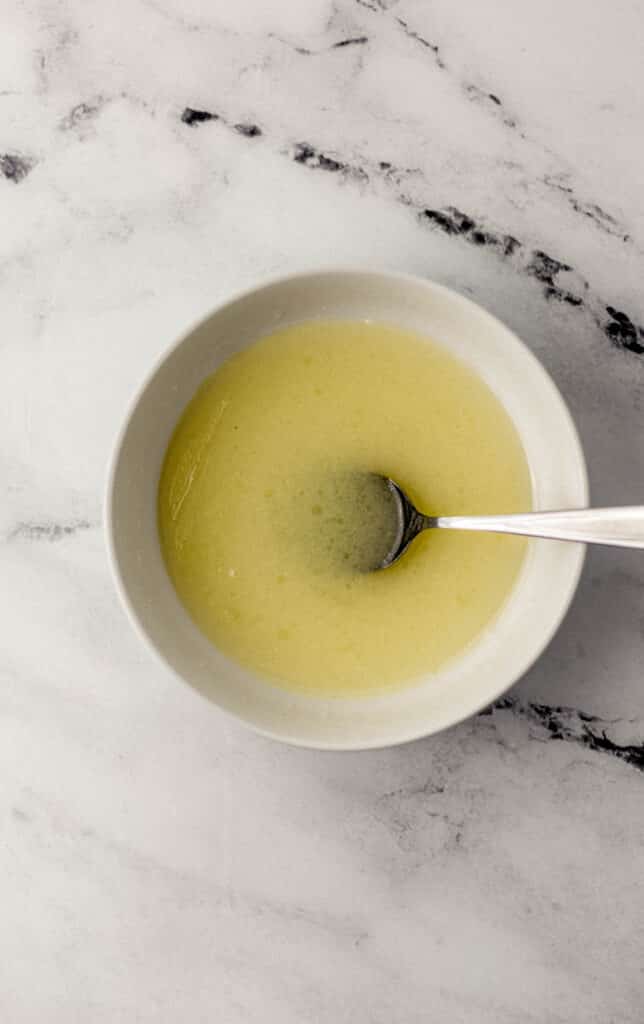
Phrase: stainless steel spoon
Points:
(621, 527)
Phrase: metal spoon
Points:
(621, 527)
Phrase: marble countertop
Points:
(157, 862)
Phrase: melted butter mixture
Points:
(268, 514)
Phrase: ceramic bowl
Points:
(496, 659)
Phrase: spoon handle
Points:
(621, 527)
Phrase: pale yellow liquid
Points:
(265, 514)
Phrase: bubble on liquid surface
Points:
(342, 521)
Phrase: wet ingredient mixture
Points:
(267, 512)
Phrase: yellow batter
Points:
(261, 496)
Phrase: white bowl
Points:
(496, 659)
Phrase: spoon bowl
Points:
(409, 523)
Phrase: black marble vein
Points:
(472, 92)
(15, 166)
(545, 268)
(574, 726)
(354, 41)
(247, 129)
(306, 154)
(191, 116)
(79, 114)
(306, 51)
(250, 131)
(309, 156)
(601, 218)
(491, 101)
(623, 332)
(453, 222)
(423, 41)
(50, 532)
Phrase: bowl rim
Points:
(424, 729)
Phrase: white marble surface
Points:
(158, 863)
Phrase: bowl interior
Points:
(497, 658)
